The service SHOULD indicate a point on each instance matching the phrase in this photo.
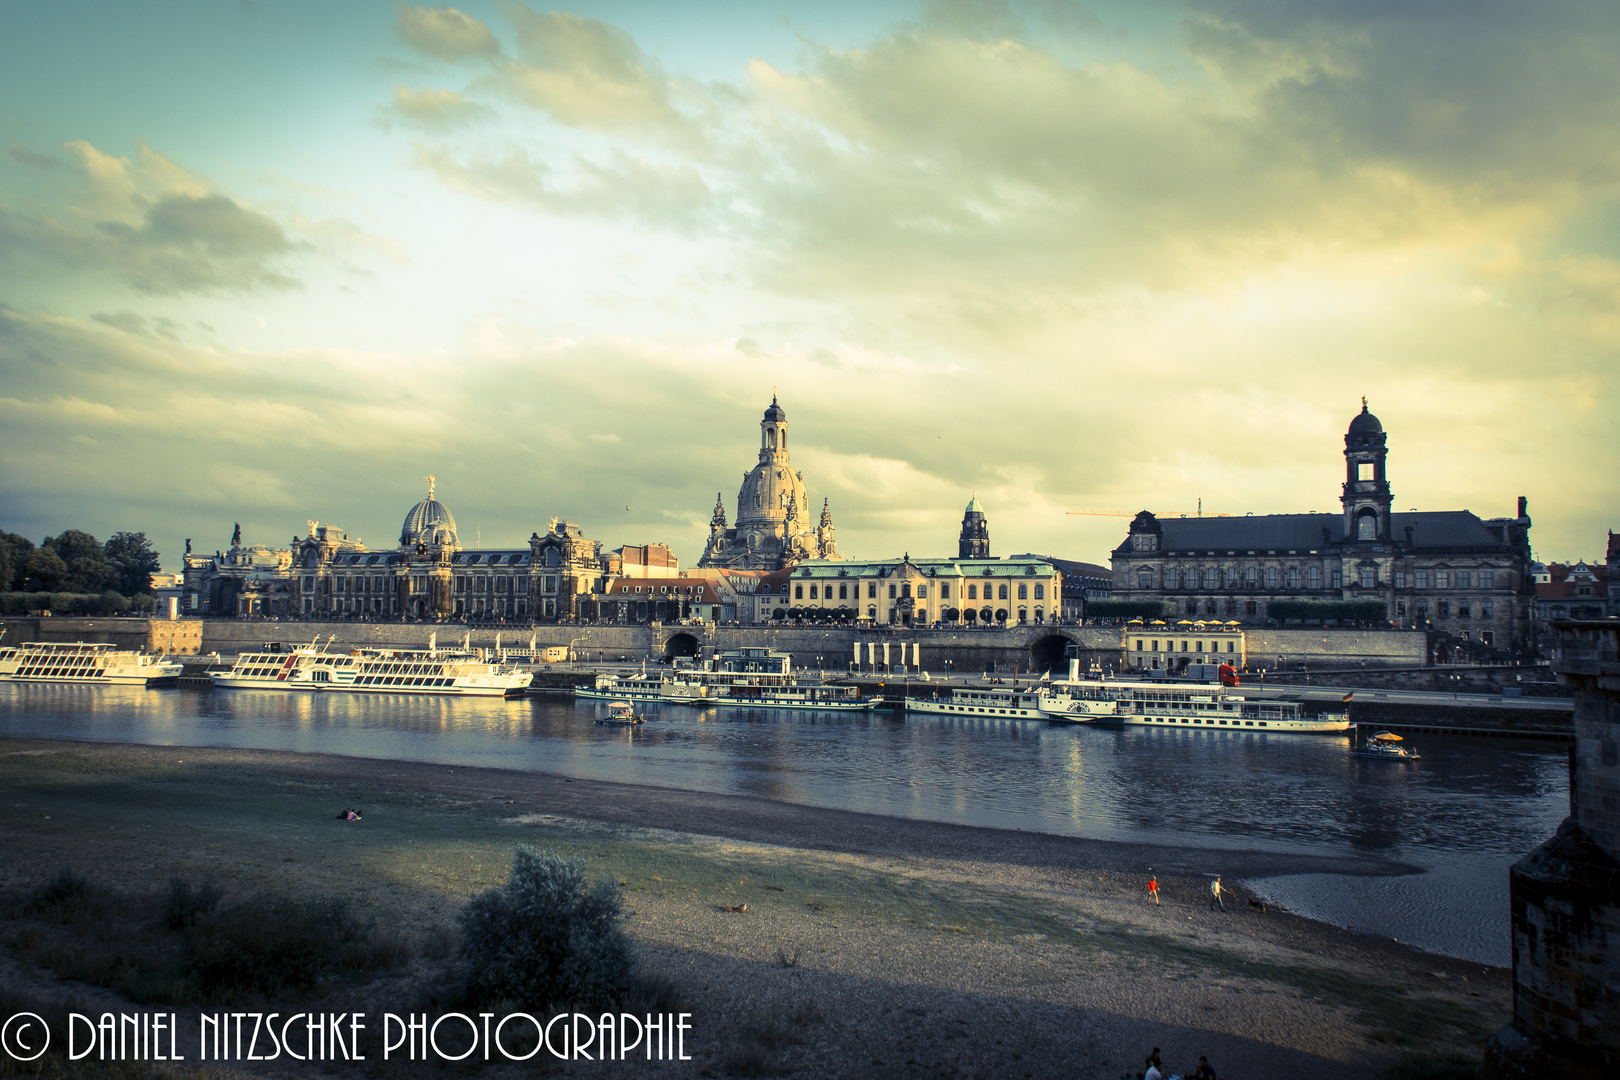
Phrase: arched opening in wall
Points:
(1367, 525)
(1050, 654)
(680, 645)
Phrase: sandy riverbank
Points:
(891, 947)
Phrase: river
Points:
(1462, 814)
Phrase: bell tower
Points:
(974, 543)
(1366, 495)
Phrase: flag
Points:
(1350, 695)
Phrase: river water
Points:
(1462, 814)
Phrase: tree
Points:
(87, 570)
(132, 562)
(14, 551)
(43, 570)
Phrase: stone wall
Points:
(1377, 647)
(174, 637)
(1566, 893)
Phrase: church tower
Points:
(974, 542)
(1366, 487)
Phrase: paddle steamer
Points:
(308, 668)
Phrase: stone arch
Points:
(1050, 653)
(680, 645)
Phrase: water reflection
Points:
(1464, 812)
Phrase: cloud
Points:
(25, 156)
(626, 187)
(446, 33)
(432, 109)
(586, 73)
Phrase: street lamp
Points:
(571, 662)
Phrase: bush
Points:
(546, 937)
(183, 906)
(1130, 609)
(273, 945)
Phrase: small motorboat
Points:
(1387, 745)
(620, 714)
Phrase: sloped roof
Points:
(1430, 529)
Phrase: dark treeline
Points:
(74, 571)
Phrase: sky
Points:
(272, 263)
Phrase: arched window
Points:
(1212, 577)
(1001, 593)
(1023, 591)
(905, 590)
(1250, 580)
(1293, 577)
(1367, 526)
(1271, 577)
(1040, 594)
(973, 592)
(798, 592)
(1313, 577)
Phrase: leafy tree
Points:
(87, 570)
(1130, 609)
(14, 551)
(43, 570)
(132, 561)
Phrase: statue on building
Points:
(236, 535)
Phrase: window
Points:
(843, 592)
(1367, 527)
(1487, 610)
(309, 584)
(1144, 579)
(812, 592)
(1338, 580)
(1442, 579)
(1443, 609)
(1400, 579)
(1231, 577)
(1212, 577)
(973, 592)
(1155, 646)
(945, 592)
(1487, 579)
(1001, 593)
(1422, 577)
(1040, 592)
(1462, 579)
(500, 584)
(1138, 644)
(1293, 577)
(871, 591)
(1400, 609)
(798, 592)
(1462, 609)
(891, 590)
(1172, 579)
(1251, 578)
(1023, 591)
(1251, 608)
(1487, 637)
(1369, 577)
(922, 592)
(1271, 577)
(1364, 470)
(1422, 609)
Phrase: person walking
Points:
(1215, 895)
(1153, 890)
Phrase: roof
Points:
(429, 522)
(973, 506)
(1430, 529)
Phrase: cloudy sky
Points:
(274, 262)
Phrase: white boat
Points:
(620, 714)
(1197, 705)
(374, 671)
(757, 678)
(85, 664)
(1385, 745)
(642, 687)
(1006, 704)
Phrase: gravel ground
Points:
(866, 946)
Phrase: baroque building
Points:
(773, 528)
(556, 576)
(1022, 590)
(1447, 570)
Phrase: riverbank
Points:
(921, 946)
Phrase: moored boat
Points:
(373, 671)
(1006, 704)
(1200, 706)
(86, 664)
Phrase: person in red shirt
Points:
(1153, 889)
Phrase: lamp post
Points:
(572, 664)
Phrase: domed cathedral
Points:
(1465, 579)
(974, 543)
(773, 528)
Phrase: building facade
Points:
(773, 528)
(1448, 570)
(557, 576)
(912, 592)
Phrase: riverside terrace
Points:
(1012, 649)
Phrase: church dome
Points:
(1365, 422)
(973, 506)
(429, 522)
(775, 412)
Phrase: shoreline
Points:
(1046, 935)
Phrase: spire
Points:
(826, 514)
